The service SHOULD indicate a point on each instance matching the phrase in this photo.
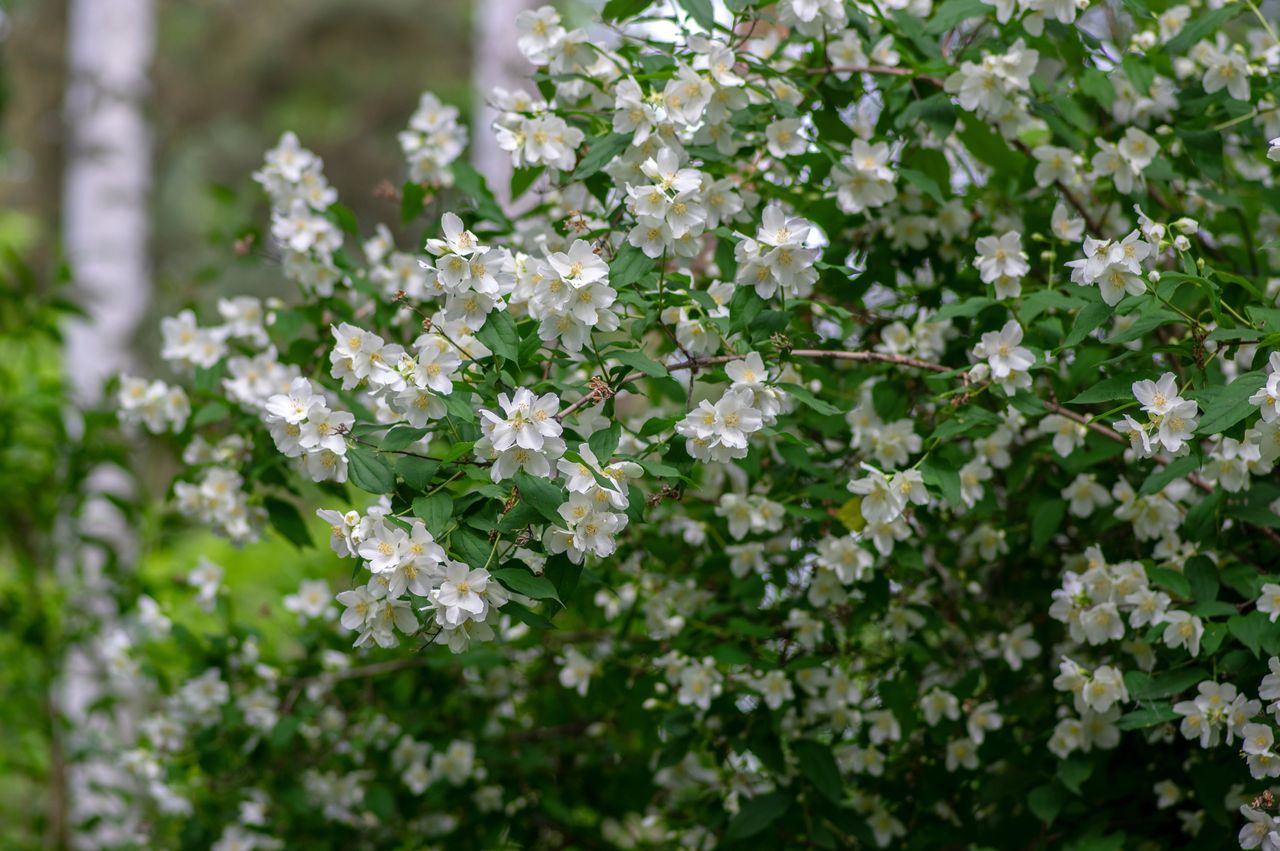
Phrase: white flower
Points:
(1001, 257)
(1002, 351)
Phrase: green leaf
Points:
(416, 472)
(640, 362)
(1252, 629)
(1200, 26)
(1224, 406)
(924, 183)
(1089, 318)
(599, 155)
(369, 471)
(1147, 717)
(401, 437)
(617, 10)
(523, 178)
(1074, 771)
(944, 477)
(435, 511)
(210, 413)
(702, 12)
(1170, 580)
(522, 581)
(1204, 147)
(936, 111)
(810, 401)
(286, 520)
(526, 615)
(411, 200)
(1111, 389)
(470, 547)
(1045, 520)
(628, 266)
(965, 307)
(1167, 473)
(756, 814)
(472, 184)
(545, 497)
(500, 335)
(1142, 686)
(1202, 573)
(1045, 802)
(952, 12)
(744, 307)
(819, 765)
(604, 442)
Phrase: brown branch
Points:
(885, 70)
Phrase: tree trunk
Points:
(495, 62)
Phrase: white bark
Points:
(107, 180)
(106, 183)
(496, 62)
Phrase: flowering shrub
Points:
(862, 437)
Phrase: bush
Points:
(862, 436)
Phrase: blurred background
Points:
(128, 133)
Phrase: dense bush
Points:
(861, 436)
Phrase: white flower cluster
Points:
(1007, 362)
(1094, 602)
(1114, 265)
(1171, 419)
(303, 426)
(471, 277)
(568, 293)
(218, 499)
(294, 178)
(996, 87)
(159, 406)
(864, 179)
(525, 436)
(718, 433)
(678, 204)
(779, 257)
(433, 140)
(595, 511)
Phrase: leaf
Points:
(1167, 473)
(472, 184)
(952, 12)
(523, 581)
(1252, 630)
(604, 442)
(1045, 521)
(965, 307)
(523, 178)
(411, 200)
(617, 10)
(1073, 772)
(744, 307)
(1143, 686)
(1088, 319)
(1147, 717)
(1045, 802)
(499, 334)
(544, 496)
(924, 183)
(640, 362)
(1199, 27)
(210, 413)
(701, 11)
(756, 814)
(599, 155)
(401, 437)
(819, 765)
(470, 547)
(810, 401)
(526, 615)
(369, 471)
(416, 472)
(629, 265)
(286, 520)
(1170, 580)
(1110, 389)
(1223, 407)
(1205, 149)
(936, 111)
(944, 477)
(435, 511)
(1202, 573)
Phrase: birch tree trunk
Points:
(105, 229)
(495, 62)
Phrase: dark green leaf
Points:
(286, 520)
(545, 496)
(522, 581)
(819, 765)
(435, 511)
(500, 335)
(369, 471)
